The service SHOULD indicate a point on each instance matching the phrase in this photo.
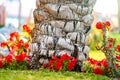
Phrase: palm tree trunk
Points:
(61, 26)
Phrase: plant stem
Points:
(109, 56)
(8, 48)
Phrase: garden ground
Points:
(47, 75)
(51, 75)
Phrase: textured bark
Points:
(61, 26)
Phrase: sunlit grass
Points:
(47, 75)
(97, 55)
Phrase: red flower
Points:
(54, 58)
(51, 62)
(1, 64)
(4, 44)
(110, 45)
(26, 45)
(50, 68)
(12, 52)
(118, 57)
(99, 25)
(14, 35)
(26, 28)
(11, 39)
(64, 57)
(44, 65)
(98, 70)
(111, 39)
(118, 48)
(58, 65)
(21, 42)
(16, 46)
(27, 58)
(107, 23)
(71, 65)
(104, 63)
(20, 57)
(74, 60)
(92, 61)
(117, 65)
(64, 62)
(8, 58)
(13, 47)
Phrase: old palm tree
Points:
(61, 26)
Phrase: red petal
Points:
(107, 23)
(99, 25)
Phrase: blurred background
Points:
(15, 13)
(18, 12)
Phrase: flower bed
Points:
(18, 55)
(64, 63)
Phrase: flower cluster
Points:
(98, 67)
(11, 61)
(18, 51)
(64, 63)
(100, 25)
(26, 29)
(110, 49)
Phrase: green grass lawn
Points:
(47, 75)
